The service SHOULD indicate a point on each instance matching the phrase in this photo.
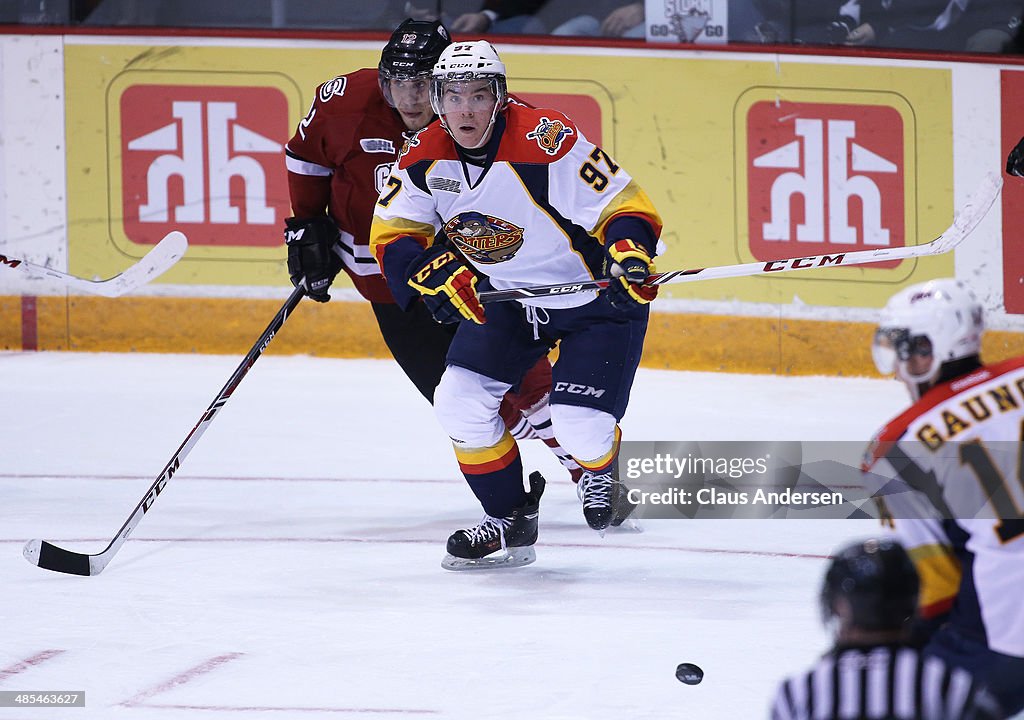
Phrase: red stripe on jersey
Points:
(937, 395)
(494, 465)
(936, 609)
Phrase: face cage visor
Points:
(384, 78)
(495, 87)
(893, 347)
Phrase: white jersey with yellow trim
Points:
(961, 447)
(535, 215)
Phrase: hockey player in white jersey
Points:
(959, 446)
(520, 196)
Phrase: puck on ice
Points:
(689, 673)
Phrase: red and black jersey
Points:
(339, 159)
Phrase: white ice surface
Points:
(291, 567)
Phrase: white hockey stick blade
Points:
(965, 221)
(152, 265)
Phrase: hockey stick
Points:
(50, 557)
(965, 221)
(153, 264)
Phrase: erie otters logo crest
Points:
(484, 239)
(410, 142)
(550, 134)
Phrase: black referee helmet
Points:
(878, 581)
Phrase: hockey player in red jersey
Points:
(520, 195)
(338, 161)
(958, 449)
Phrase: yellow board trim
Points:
(230, 326)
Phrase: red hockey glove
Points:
(631, 266)
(448, 287)
(311, 254)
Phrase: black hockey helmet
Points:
(414, 47)
(877, 579)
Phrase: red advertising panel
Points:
(824, 178)
(204, 160)
(1013, 194)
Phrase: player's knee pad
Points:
(586, 433)
(466, 405)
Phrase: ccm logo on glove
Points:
(447, 286)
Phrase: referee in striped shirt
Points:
(870, 596)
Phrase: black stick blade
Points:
(51, 557)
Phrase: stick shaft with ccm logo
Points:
(51, 557)
(967, 218)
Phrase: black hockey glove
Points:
(630, 266)
(311, 254)
(447, 286)
(1015, 160)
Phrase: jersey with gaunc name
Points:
(961, 447)
(338, 160)
(536, 215)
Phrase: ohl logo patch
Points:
(484, 239)
(204, 160)
(824, 178)
(550, 134)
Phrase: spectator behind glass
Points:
(497, 17)
(981, 26)
(606, 19)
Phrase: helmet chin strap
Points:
(483, 138)
(918, 385)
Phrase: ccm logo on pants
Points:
(576, 389)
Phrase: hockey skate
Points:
(605, 500)
(499, 542)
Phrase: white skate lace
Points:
(533, 316)
(488, 528)
(595, 490)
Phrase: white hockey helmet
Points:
(464, 62)
(941, 319)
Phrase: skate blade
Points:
(511, 558)
(629, 525)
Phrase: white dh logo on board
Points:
(210, 156)
(826, 191)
